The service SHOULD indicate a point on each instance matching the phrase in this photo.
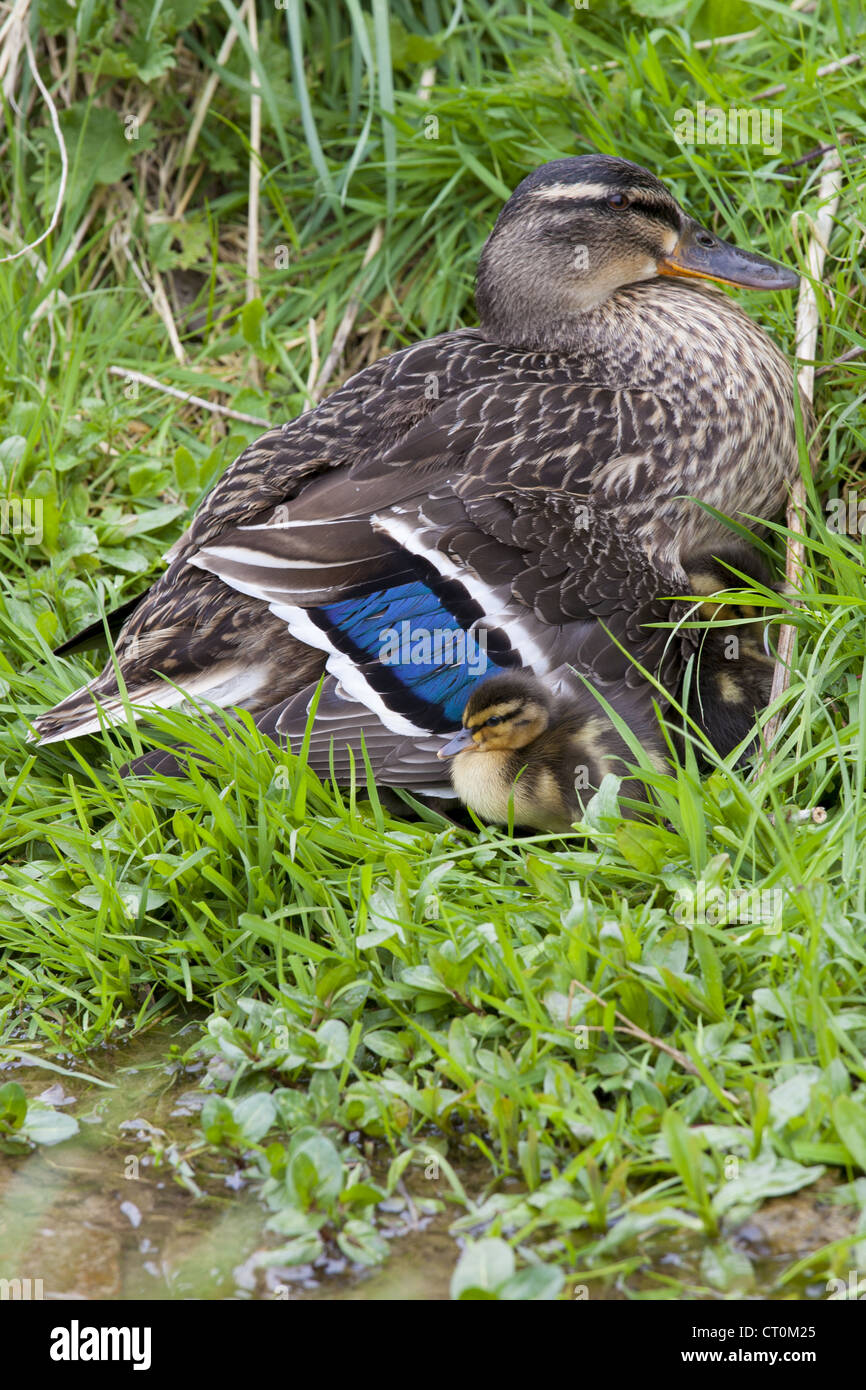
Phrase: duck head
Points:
(576, 230)
(503, 714)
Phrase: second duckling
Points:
(522, 747)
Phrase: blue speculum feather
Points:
(418, 653)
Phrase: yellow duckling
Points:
(521, 746)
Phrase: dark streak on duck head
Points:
(577, 230)
(505, 712)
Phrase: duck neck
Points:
(657, 335)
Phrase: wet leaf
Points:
(483, 1266)
(849, 1117)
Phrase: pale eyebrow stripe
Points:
(500, 710)
(594, 191)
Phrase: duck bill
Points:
(725, 263)
(460, 743)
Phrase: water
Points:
(96, 1218)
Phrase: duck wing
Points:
(291, 521)
(414, 601)
(581, 569)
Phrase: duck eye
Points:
(494, 719)
(617, 200)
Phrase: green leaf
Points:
(98, 151)
(536, 1283)
(361, 1242)
(383, 920)
(711, 971)
(13, 1105)
(727, 1268)
(149, 59)
(388, 1045)
(185, 469)
(252, 321)
(658, 9)
(757, 1180)
(602, 808)
(639, 847)
(333, 1039)
(154, 519)
(45, 1125)
(849, 1117)
(407, 49)
(218, 1121)
(791, 1097)
(686, 1157)
(304, 1250)
(362, 1194)
(289, 1221)
(483, 1266)
(421, 977)
(314, 1170)
(254, 1116)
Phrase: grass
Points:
(567, 1012)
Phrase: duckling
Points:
(520, 747)
(728, 696)
(605, 376)
(732, 671)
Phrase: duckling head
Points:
(577, 230)
(712, 573)
(502, 714)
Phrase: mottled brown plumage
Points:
(708, 652)
(594, 382)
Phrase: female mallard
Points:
(603, 388)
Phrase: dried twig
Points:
(806, 341)
(842, 358)
(182, 201)
(129, 375)
(347, 322)
(19, 14)
(255, 164)
(825, 71)
(155, 293)
(313, 338)
(628, 1026)
(801, 6)
(816, 152)
(206, 98)
(13, 37)
(163, 308)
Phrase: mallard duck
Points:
(501, 482)
(523, 753)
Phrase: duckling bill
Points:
(521, 751)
